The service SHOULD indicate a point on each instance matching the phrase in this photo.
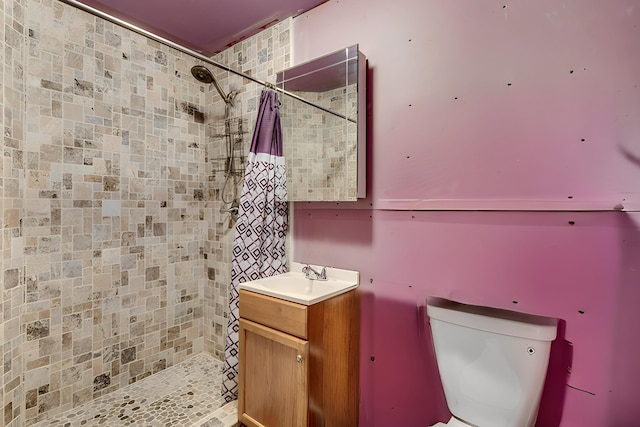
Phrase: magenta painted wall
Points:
(532, 81)
(497, 147)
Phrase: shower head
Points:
(203, 75)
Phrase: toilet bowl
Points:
(492, 363)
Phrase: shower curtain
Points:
(259, 243)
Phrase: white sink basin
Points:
(295, 287)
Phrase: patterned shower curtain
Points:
(259, 243)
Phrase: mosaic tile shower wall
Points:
(103, 208)
(261, 56)
(12, 333)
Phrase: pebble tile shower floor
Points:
(184, 395)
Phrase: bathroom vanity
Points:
(298, 363)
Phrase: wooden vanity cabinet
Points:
(298, 364)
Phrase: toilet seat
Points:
(453, 422)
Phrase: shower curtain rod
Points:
(195, 54)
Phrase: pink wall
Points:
(495, 142)
(496, 147)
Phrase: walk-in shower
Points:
(146, 167)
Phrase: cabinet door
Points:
(273, 373)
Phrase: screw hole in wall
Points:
(581, 311)
(572, 222)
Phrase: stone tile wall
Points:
(261, 56)
(104, 187)
(12, 77)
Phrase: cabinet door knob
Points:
(299, 358)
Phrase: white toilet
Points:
(492, 363)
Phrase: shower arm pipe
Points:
(197, 55)
(227, 98)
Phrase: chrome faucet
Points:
(312, 274)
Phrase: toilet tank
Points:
(492, 362)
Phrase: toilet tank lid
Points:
(505, 322)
